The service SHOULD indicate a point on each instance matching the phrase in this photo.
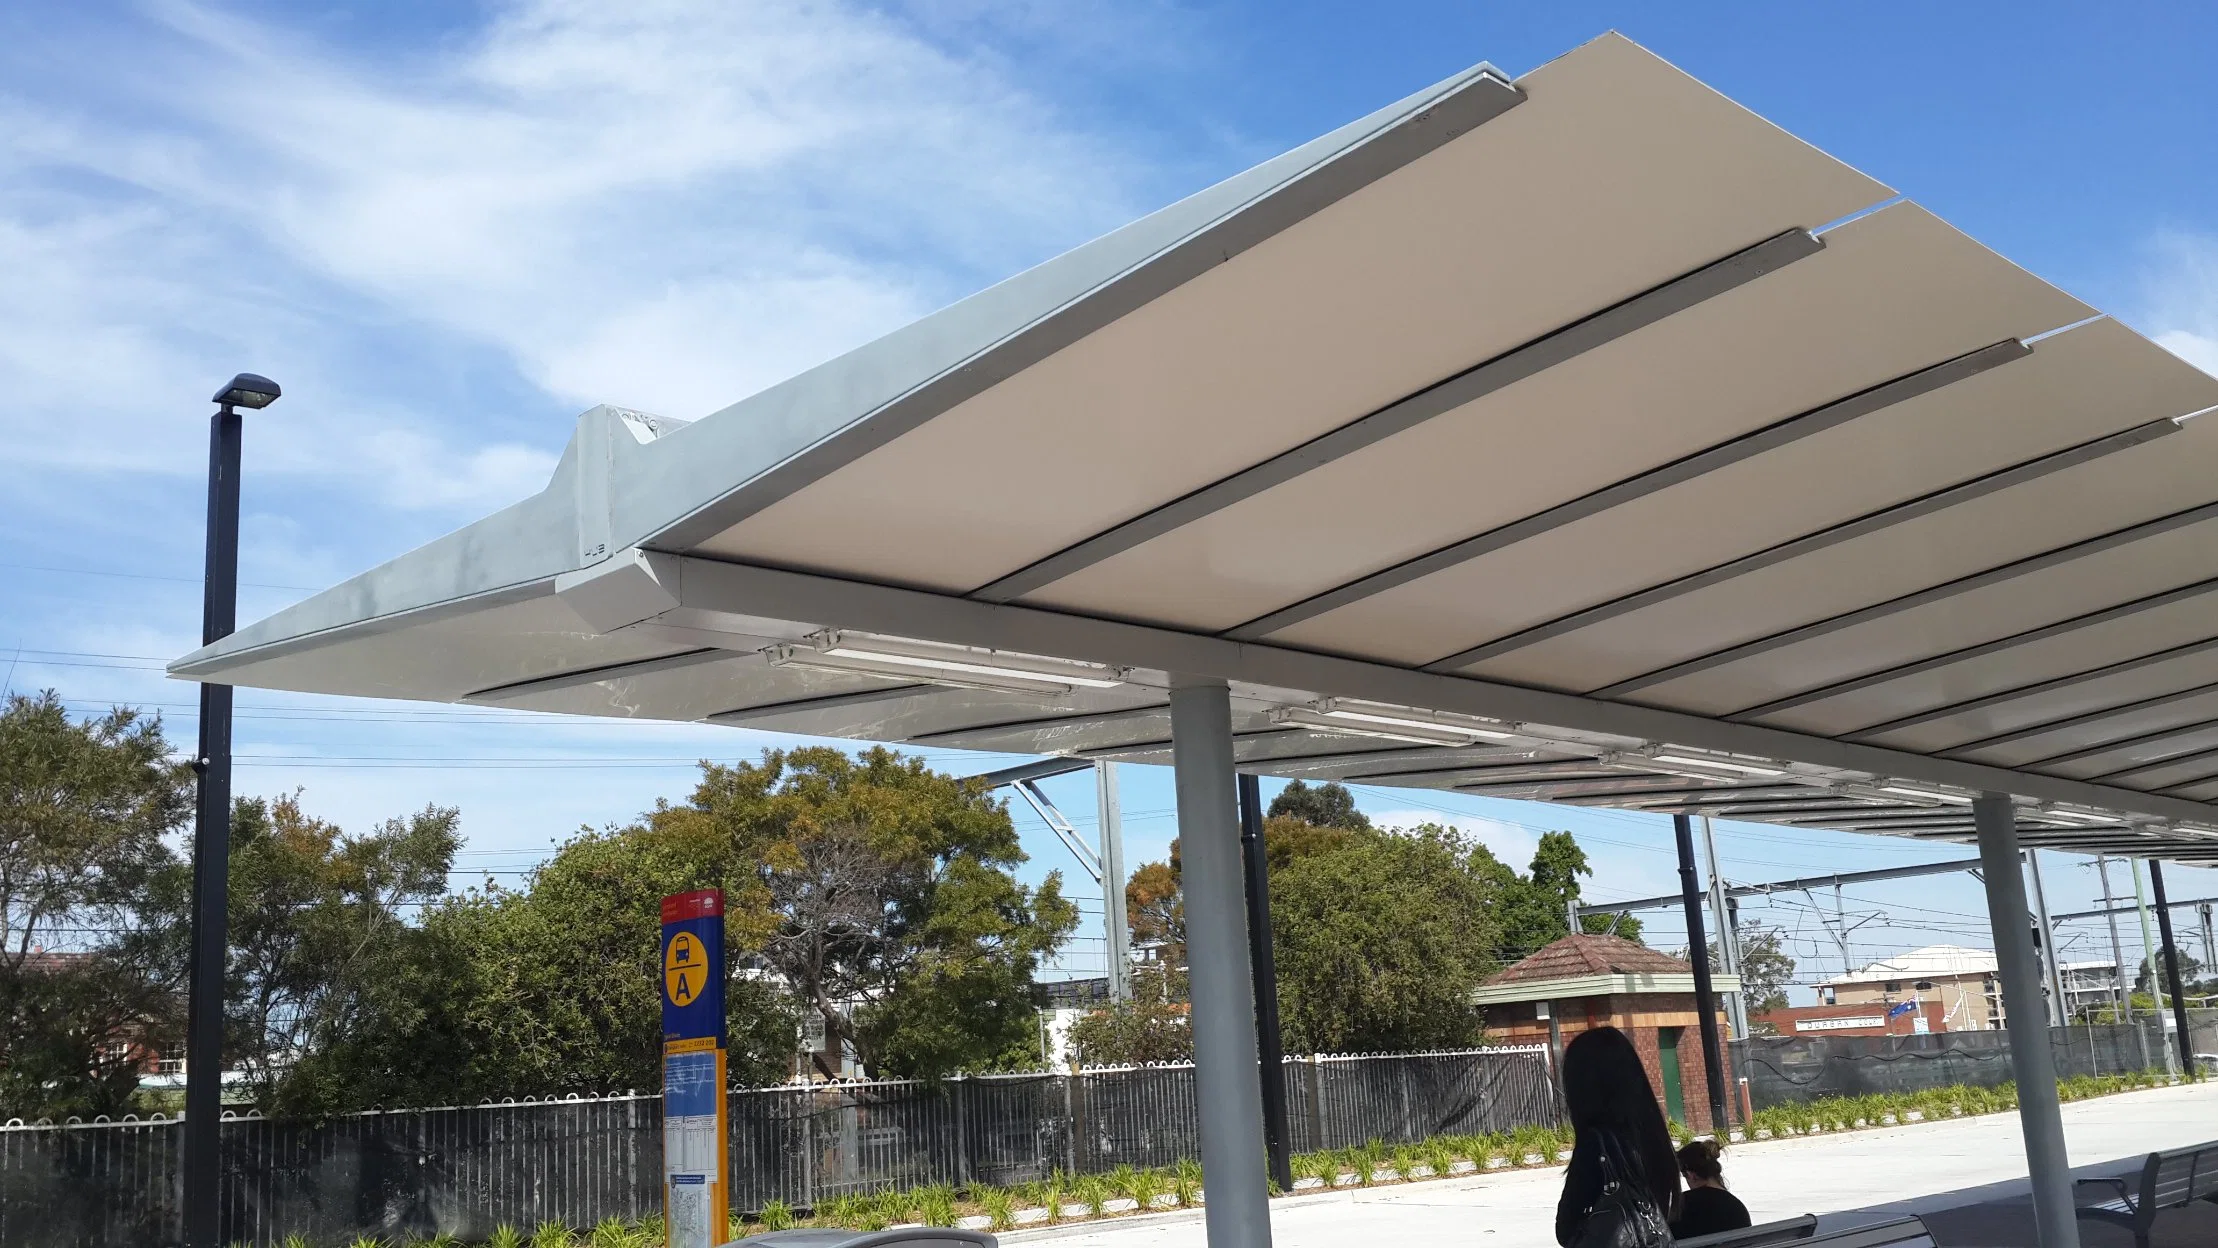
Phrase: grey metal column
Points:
(2148, 959)
(2053, 971)
(2210, 940)
(1237, 1212)
(2171, 968)
(2047, 1164)
(1728, 936)
(1110, 826)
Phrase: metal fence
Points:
(465, 1170)
(1795, 1069)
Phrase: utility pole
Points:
(2047, 942)
(1728, 939)
(2210, 941)
(1111, 821)
(2148, 946)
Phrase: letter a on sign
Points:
(696, 1201)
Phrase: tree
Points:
(1154, 912)
(1766, 968)
(1327, 805)
(884, 901)
(2150, 975)
(319, 928)
(1380, 941)
(92, 905)
(1134, 1033)
(1537, 907)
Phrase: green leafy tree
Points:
(884, 901)
(1537, 906)
(1134, 1033)
(1766, 967)
(1327, 805)
(1380, 941)
(92, 900)
(2150, 975)
(320, 925)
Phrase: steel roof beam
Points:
(825, 702)
(1932, 594)
(713, 595)
(1438, 399)
(2080, 721)
(2126, 775)
(1885, 518)
(606, 671)
(2123, 743)
(2036, 689)
(1953, 657)
(1723, 455)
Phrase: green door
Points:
(1667, 1056)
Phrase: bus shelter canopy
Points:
(1581, 437)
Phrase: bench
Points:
(1788, 1231)
(1802, 1232)
(2172, 1180)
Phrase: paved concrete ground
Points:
(1923, 1168)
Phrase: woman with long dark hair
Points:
(1613, 1109)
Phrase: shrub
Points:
(776, 1215)
(1186, 1181)
(505, 1236)
(1000, 1205)
(548, 1235)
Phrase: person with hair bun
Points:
(1706, 1208)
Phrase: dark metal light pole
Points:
(219, 609)
(1698, 953)
(1269, 1050)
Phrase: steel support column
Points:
(1728, 934)
(2047, 1164)
(1277, 1142)
(1698, 953)
(2148, 959)
(1238, 1211)
(2185, 1038)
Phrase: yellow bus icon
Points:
(685, 968)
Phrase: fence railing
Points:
(465, 1170)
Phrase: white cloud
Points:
(2183, 304)
(1512, 843)
(669, 204)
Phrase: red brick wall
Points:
(1638, 1016)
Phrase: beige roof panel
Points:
(1616, 173)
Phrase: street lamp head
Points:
(248, 390)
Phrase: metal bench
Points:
(1899, 1233)
(2172, 1180)
(1786, 1231)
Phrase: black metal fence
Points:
(465, 1170)
(1796, 1069)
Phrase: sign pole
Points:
(696, 1199)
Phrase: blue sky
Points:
(447, 229)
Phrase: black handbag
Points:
(1625, 1214)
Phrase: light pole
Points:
(219, 609)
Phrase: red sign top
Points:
(701, 904)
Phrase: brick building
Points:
(1899, 1018)
(1584, 981)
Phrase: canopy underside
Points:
(1584, 438)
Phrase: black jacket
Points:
(1708, 1210)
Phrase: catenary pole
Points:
(1698, 953)
(2184, 1038)
(1270, 1053)
(2148, 959)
